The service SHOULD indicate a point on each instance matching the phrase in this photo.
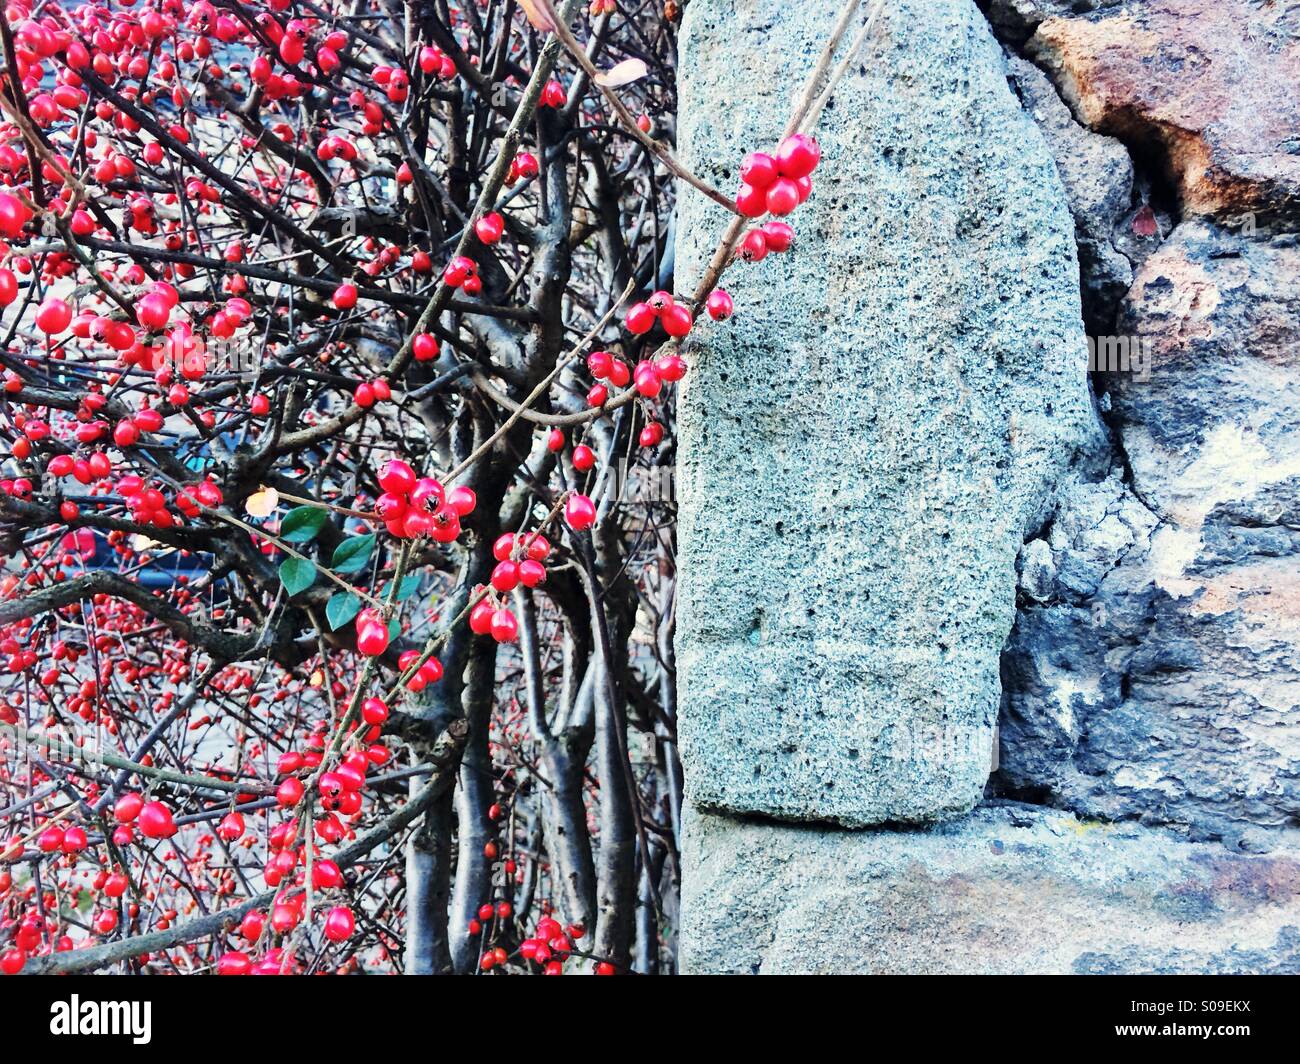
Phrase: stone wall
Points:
(907, 510)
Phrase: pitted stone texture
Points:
(1214, 84)
(1010, 889)
(864, 445)
(1098, 178)
(1154, 669)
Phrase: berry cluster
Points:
(462, 272)
(413, 506)
(777, 184)
(675, 318)
(368, 393)
(520, 559)
(523, 167)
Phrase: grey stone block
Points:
(864, 446)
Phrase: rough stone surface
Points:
(864, 445)
(1016, 20)
(1154, 669)
(1009, 889)
(1214, 85)
(1098, 178)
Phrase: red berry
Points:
(289, 793)
(671, 367)
(372, 633)
(677, 320)
(424, 347)
(758, 169)
(490, 227)
(778, 235)
(505, 577)
(397, 478)
(647, 380)
(461, 501)
(480, 617)
(234, 963)
(531, 573)
(798, 156)
(579, 512)
(128, 808)
(783, 196)
(374, 711)
(751, 201)
(125, 434)
(458, 271)
(505, 629)
(155, 821)
(754, 247)
(640, 318)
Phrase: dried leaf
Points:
(623, 73)
(538, 15)
(262, 503)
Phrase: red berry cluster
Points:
(436, 62)
(673, 316)
(777, 184)
(462, 272)
(430, 671)
(413, 506)
(154, 820)
(520, 558)
(523, 167)
(550, 945)
(368, 393)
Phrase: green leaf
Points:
(405, 591)
(297, 574)
(394, 628)
(301, 524)
(341, 608)
(351, 555)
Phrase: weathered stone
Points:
(864, 445)
(1214, 84)
(1016, 20)
(1008, 889)
(1154, 669)
(1098, 178)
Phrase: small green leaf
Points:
(405, 590)
(341, 608)
(297, 574)
(351, 555)
(394, 628)
(301, 524)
